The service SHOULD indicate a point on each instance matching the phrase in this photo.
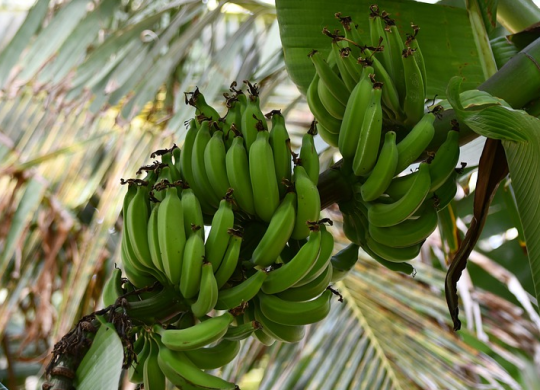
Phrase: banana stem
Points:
(517, 15)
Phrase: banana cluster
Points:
(369, 101)
(261, 268)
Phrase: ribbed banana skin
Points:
(308, 155)
(400, 185)
(283, 333)
(137, 277)
(208, 292)
(412, 42)
(413, 103)
(171, 235)
(153, 239)
(264, 338)
(353, 117)
(184, 374)
(177, 156)
(217, 356)
(367, 147)
(167, 158)
(201, 185)
(233, 297)
(334, 107)
(327, 136)
(112, 288)
(308, 203)
(197, 336)
(330, 79)
(343, 261)
(446, 192)
(202, 107)
(190, 279)
(241, 331)
(378, 38)
(263, 178)
(153, 377)
(385, 215)
(280, 144)
(331, 124)
(383, 171)
(394, 254)
(445, 161)
(409, 232)
(415, 142)
(309, 290)
(295, 313)
(238, 173)
(323, 260)
(214, 164)
(137, 215)
(191, 208)
(230, 260)
(290, 273)
(395, 47)
(136, 370)
(278, 232)
(346, 77)
(252, 119)
(218, 238)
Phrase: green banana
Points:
(214, 164)
(353, 118)
(367, 147)
(328, 137)
(233, 297)
(390, 214)
(308, 203)
(230, 259)
(383, 171)
(198, 101)
(334, 107)
(318, 109)
(184, 374)
(186, 167)
(216, 356)
(378, 37)
(263, 177)
(167, 158)
(153, 378)
(309, 290)
(136, 370)
(112, 288)
(208, 292)
(346, 77)
(323, 260)
(241, 331)
(238, 174)
(400, 266)
(253, 120)
(445, 160)
(394, 254)
(136, 220)
(218, 238)
(351, 64)
(171, 235)
(233, 117)
(278, 232)
(201, 184)
(330, 79)
(197, 336)
(309, 158)
(413, 103)
(191, 209)
(280, 143)
(412, 42)
(408, 232)
(190, 278)
(394, 47)
(288, 274)
(283, 333)
(177, 156)
(343, 261)
(153, 239)
(295, 313)
(264, 338)
(446, 192)
(415, 142)
(400, 185)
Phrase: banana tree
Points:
(134, 80)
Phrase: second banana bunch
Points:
(369, 100)
(261, 268)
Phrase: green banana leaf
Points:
(445, 37)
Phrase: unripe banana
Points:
(446, 159)
(264, 338)
(242, 331)
(334, 107)
(253, 119)
(153, 378)
(280, 143)
(153, 239)
(295, 313)
(330, 79)
(167, 158)
(347, 78)
(214, 164)
(309, 290)
(384, 170)
(190, 279)
(171, 235)
(400, 185)
(136, 219)
(198, 101)
(216, 356)
(378, 38)
(233, 117)
(191, 209)
(413, 103)
(263, 177)
(283, 333)
(446, 192)
(233, 297)
(238, 173)
(328, 137)
(384, 215)
(177, 156)
(353, 118)
(208, 292)
(136, 370)
(394, 47)
(330, 123)
(198, 336)
(290, 273)
(343, 261)
(415, 142)
(308, 203)
(367, 148)
(201, 184)
(278, 232)
(408, 232)
(112, 288)
(186, 167)
(218, 238)
(230, 259)
(419, 58)
(393, 254)
(309, 158)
